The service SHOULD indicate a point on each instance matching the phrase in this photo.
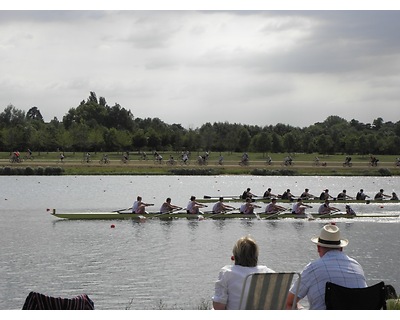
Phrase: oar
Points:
(276, 214)
(168, 212)
(328, 214)
(223, 213)
(217, 197)
(122, 210)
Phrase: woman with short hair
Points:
(228, 287)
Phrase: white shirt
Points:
(270, 208)
(217, 208)
(243, 208)
(323, 209)
(335, 266)
(228, 287)
(297, 208)
(135, 206)
(190, 206)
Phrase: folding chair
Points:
(343, 298)
(267, 291)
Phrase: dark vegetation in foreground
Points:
(78, 170)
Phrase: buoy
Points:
(112, 226)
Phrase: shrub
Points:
(384, 172)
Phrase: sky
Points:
(249, 66)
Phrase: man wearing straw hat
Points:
(333, 265)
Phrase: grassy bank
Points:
(303, 165)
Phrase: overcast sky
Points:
(192, 67)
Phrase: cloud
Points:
(193, 67)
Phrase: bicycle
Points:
(86, 160)
(183, 162)
(124, 160)
(287, 163)
(14, 159)
(158, 160)
(104, 161)
(143, 157)
(29, 157)
(202, 161)
(171, 162)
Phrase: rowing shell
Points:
(170, 216)
(348, 201)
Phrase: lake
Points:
(166, 264)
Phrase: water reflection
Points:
(219, 224)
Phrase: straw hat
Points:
(330, 237)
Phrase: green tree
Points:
(34, 114)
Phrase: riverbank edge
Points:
(203, 171)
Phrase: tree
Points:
(139, 139)
(244, 140)
(34, 114)
(324, 144)
(11, 116)
(277, 143)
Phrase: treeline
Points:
(95, 126)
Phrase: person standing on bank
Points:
(228, 287)
(333, 266)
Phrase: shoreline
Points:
(136, 167)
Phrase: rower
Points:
(268, 194)
(325, 195)
(273, 208)
(394, 196)
(361, 195)
(248, 207)
(220, 207)
(306, 195)
(139, 206)
(287, 195)
(247, 194)
(299, 207)
(325, 208)
(193, 206)
(380, 195)
(349, 210)
(343, 196)
(168, 207)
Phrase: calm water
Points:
(169, 265)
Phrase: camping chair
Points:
(342, 298)
(38, 301)
(267, 291)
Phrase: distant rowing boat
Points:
(170, 216)
(264, 200)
